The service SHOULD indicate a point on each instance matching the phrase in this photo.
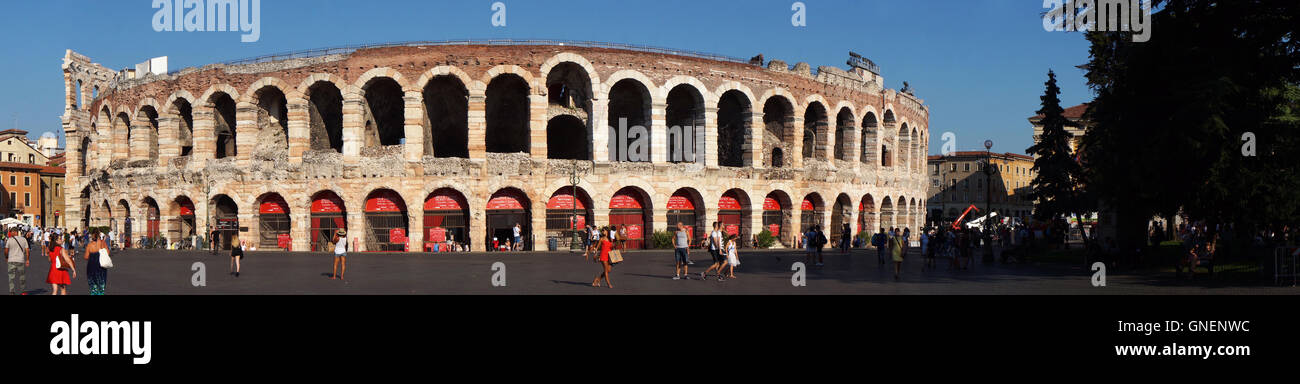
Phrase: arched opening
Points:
(684, 115)
(630, 209)
(185, 126)
(121, 138)
(866, 215)
(272, 124)
(870, 132)
(901, 214)
(224, 125)
(274, 228)
(446, 119)
(567, 139)
(734, 214)
(776, 216)
(107, 213)
(887, 214)
(629, 121)
(844, 136)
(734, 113)
(328, 216)
(149, 115)
(325, 114)
(183, 225)
(566, 214)
(904, 147)
(507, 210)
(508, 115)
(446, 221)
(886, 155)
(386, 222)
(814, 131)
(153, 219)
(384, 113)
(841, 215)
(915, 157)
(225, 214)
(83, 154)
(686, 206)
(128, 227)
(778, 130)
(811, 211)
(77, 102)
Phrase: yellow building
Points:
(957, 182)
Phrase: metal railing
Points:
(310, 53)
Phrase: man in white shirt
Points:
(19, 258)
(715, 250)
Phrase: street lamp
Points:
(988, 201)
(575, 177)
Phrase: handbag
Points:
(615, 257)
(105, 261)
(63, 263)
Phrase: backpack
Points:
(821, 239)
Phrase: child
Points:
(733, 259)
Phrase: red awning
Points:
(680, 203)
(444, 201)
(329, 203)
(564, 200)
(771, 204)
(808, 205)
(729, 202)
(274, 205)
(624, 201)
(385, 201)
(505, 200)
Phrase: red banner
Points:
(733, 229)
(443, 202)
(330, 204)
(775, 229)
(729, 203)
(771, 204)
(385, 201)
(808, 205)
(187, 209)
(504, 201)
(437, 235)
(274, 205)
(580, 222)
(563, 201)
(634, 231)
(397, 236)
(680, 203)
(624, 202)
(285, 242)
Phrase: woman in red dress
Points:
(58, 278)
(604, 246)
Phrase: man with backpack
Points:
(878, 241)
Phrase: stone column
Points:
(659, 133)
(246, 130)
(415, 227)
(168, 139)
(753, 148)
(205, 140)
(357, 228)
(537, 130)
(299, 132)
(477, 125)
(710, 141)
(300, 230)
(796, 158)
(477, 229)
(600, 130)
(353, 126)
(538, 231)
(413, 127)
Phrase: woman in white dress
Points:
(733, 259)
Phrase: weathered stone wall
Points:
(281, 151)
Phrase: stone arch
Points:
(845, 132)
(633, 206)
(508, 110)
(579, 60)
(324, 95)
(149, 114)
(221, 101)
(867, 214)
(492, 74)
(383, 107)
(446, 113)
(685, 120)
(778, 127)
(816, 138)
(735, 120)
(841, 215)
(121, 135)
(270, 98)
(778, 210)
(567, 139)
(631, 101)
(570, 89)
(870, 137)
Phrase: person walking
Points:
(518, 244)
(340, 255)
(810, 244)
(215, 239)
(62, 270)
(622, 237)
(19, 258)
(681, 253)
(878, 241)
(96, 275)
(236, 254)
(733, 257)
(846, 234)
(927, 249)
(821, 242)
(896, 250)
(714, 244)
(602, 257)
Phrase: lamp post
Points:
(988, 201)
(575, 177)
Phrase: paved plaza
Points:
(769, 272)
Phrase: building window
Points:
(27, 199)
(31, 159)
(27, 181)
(13, 196)
(13, 181)
(954, 167)
(966, 167)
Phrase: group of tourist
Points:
(60, 249)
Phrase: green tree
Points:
(1056, 184)
(1170, 116)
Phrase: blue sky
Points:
(979, 64)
